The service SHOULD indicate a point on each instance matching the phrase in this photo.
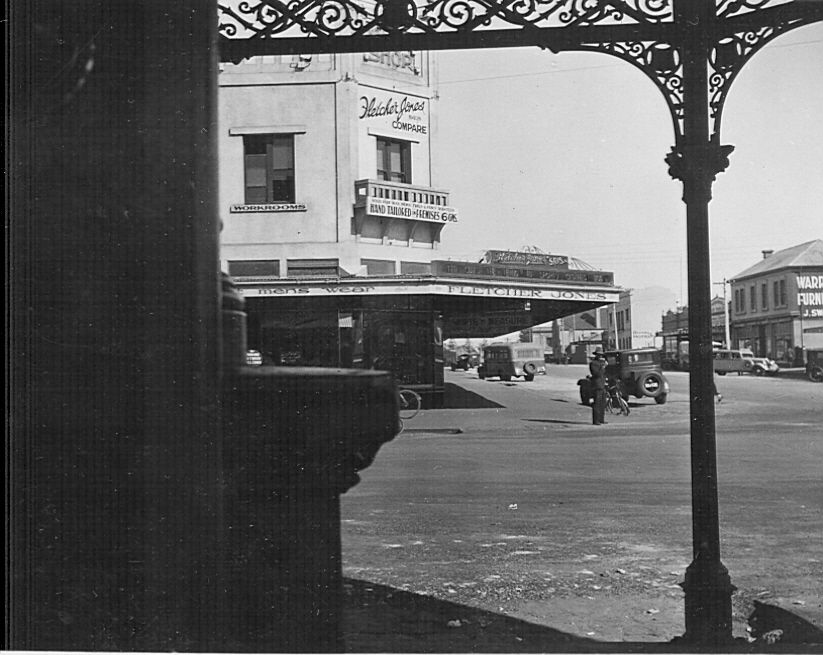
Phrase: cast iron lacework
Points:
(661, 62)
(325, 18)
(728, 56)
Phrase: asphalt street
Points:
(515, 504)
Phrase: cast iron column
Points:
(696, 161)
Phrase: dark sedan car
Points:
(638, 371)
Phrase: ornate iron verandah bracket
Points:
(646, 33)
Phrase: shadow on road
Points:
(381, 619)
(456, 397)
(555, 420)
(769, 622)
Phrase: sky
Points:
(565, 152)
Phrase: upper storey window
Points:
(269, 168)
(393, 160)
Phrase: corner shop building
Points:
(332, 222)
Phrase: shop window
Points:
(415, 268)
(269, 168)
(764, 296)
(378, 266)
(393, 160)
(255, 268)
(313, 267)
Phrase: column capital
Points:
(698, 165)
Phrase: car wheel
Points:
(758, 370)
(529, 369)
(650, 384)
(661, 399)
(721, 372)
(529, 377)
(816, 373)
(481, 372)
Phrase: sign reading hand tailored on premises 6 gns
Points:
(415, 211)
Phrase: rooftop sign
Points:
(525, 258)
(524, 273)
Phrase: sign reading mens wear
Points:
(405, 115)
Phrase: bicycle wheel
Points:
(624, 406)
(409, 403)
(609, 405)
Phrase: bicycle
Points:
(409, 405)
(615, 403)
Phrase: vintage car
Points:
(638, 371)
(508, 360)
(764, 366)
(814, 365)
(742, 361)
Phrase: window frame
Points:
(273, 171)
(384, 170)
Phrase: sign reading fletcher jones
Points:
(415, 211)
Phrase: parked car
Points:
(731, 361)
(743, 361)
(462, 361)
(814, 365)
(460, 358)
(508, 360)
(764, 366)
(639, 372)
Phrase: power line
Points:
(582, 68)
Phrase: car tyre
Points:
(721, 372)
(816, 373)
(661, 399)
(641, 382)
(758, 370)
(529, 377)
(481, 372)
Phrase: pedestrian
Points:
(717, 395)
(597, 370)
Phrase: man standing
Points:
(597, 370)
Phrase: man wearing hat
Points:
(597, 370)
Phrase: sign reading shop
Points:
(397, 112)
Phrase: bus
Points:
(508, 360)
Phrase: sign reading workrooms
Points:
(414, 211)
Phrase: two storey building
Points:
(333, 217)
(777, 304)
